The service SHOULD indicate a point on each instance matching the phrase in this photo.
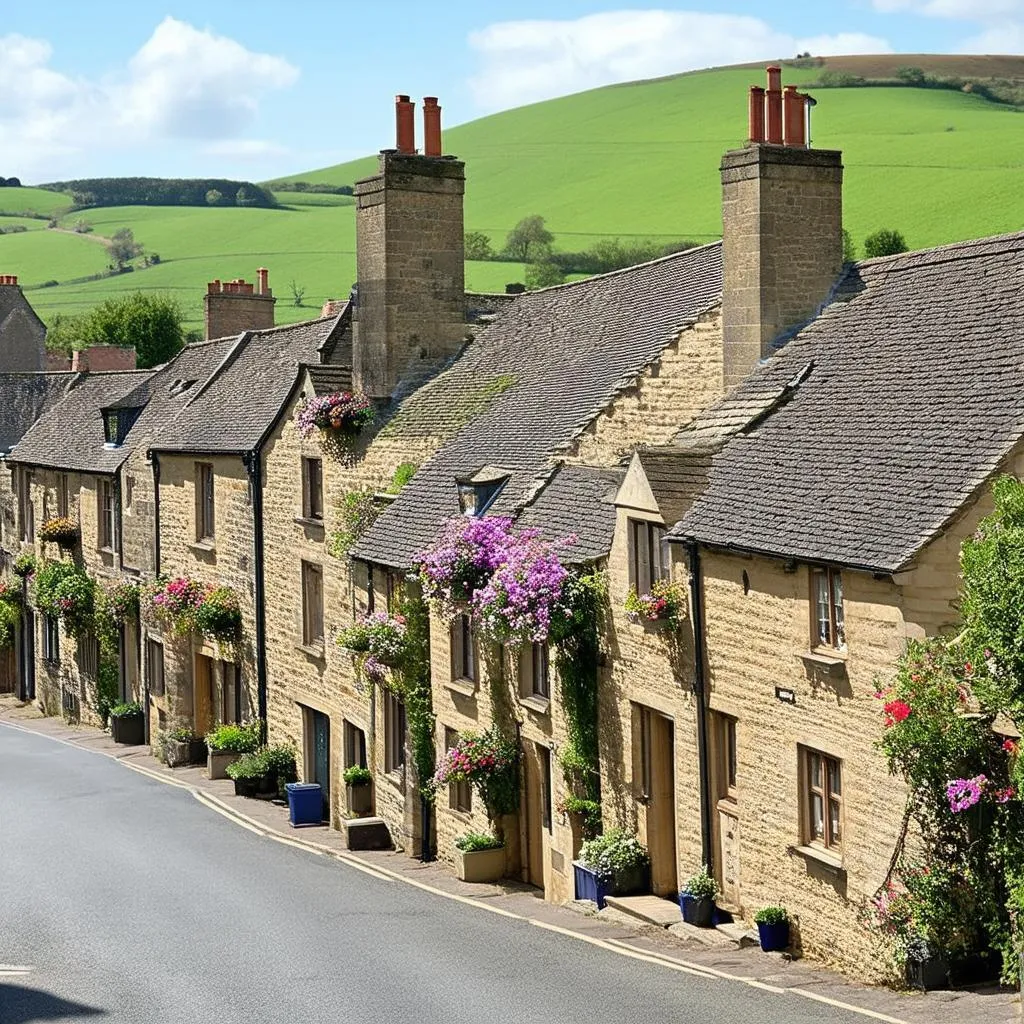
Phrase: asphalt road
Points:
(134, 903)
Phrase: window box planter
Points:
(217, 762)
(928, 973)
(359, 798)
(129, 729)
(480, 865)
(698, 911)
(590, 886)
(773, 937)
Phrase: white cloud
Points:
(525, 61)
(1001, 22)
(184, 85)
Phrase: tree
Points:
(122, 248)
(884, 243)
(149, 323)
(544, 275)
(528, 239)
(298, 292)
(478, 246)
(214, 197)
(849, 249)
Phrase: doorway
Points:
(537, 763)
(202, 695)
(658, 793)
(318, 763)
(726, 814)
(28, 656)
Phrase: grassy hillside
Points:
(636, 160)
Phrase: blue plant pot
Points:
(773, 937)
(589, 886)
(699, 912)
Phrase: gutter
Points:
(254, 469)
(700, 692)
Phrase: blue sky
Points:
(261, 88)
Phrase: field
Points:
(636, 160)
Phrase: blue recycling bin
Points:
(305, 803)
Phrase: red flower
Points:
(896, 711)
(1010, 746)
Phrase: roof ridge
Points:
(683, 253)
(229, 357)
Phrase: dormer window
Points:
(477, 493)
(116, 424)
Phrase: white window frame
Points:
(827, 611)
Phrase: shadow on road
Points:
(20, 1005)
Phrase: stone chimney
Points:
(10, 280)
(230, 307)
(782, 220)
(409, 312)
(99, 358)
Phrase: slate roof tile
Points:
(24, 397)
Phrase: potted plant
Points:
(248, 773)
(59, 530)
(183, 747)
(664, 604)
(613, 864)
(927, 966)
(344, 412)
(479, 857)
(226, 744)
(772, 927)
(279, 765)
(25, 565)
(697, 899)
(359, 790)
(128, 724)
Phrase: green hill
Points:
(637, 160)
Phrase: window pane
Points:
(730, 746)
(815, 764)
(659, 553)
(822, 603)
(837, 603)
(817, 819)
(835, 829)
(834, 778)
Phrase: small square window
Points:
(648, 554)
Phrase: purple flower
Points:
(964, 793)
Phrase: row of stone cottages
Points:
(800, 443)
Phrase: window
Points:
(463, 649)
(394, 732)
(112, 427)
(312, 604)
(26, 510)
(460, 794)
(51, 639)
(312, 489)
(724, 727)
(355, 746)
(109, 517)
(544, 757)
(204, 502)
(89, 656)
(155, 667)
(827, 599)
(231, 713)
(648, 554)
(823, 800)
(62, 494)
(534, 671)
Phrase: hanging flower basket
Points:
(379, 635)
(491, 763)
(665, 603)
(25, 565)
(188, 606)
(60, 530)
(344, 412)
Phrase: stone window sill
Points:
(464, 687)
(205, 547)
(541, 705)
(309, 523)
(821, 856)
(312, 650)
(825, 657)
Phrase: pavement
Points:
(153, 894)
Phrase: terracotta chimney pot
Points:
(431, 127)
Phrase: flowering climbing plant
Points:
(666, 601)
(511, 581)
(490, 762)
(379, 637)
(344, 411)
(186, 606)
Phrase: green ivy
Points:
(64, 590)
(9, 618)
(357, 512)
(412, 680)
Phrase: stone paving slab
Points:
(982, 1006)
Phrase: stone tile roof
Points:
(577, 500)
(531, 382)
(12, 300)
(70, 434)
(242, 398)
(328, 380)
(675, 481)
(24, 397)
(862, 437)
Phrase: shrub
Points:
(235, 739)
(472, 842)
(183, 734)
(25, 565)
(279, 761)
(248, 766)
(65, 591)
(615, 853)
(357, 512)
(589, 812)
(772, 914)
(9, 618)
(478, 246)
(884, 243)
(701, 886)
(356, 775)
(405, 472)
(129, 710)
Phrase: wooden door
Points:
(322, 757)
(202, 695)
(8, 669)
(658, 753)
(727, 813)
(536, 820)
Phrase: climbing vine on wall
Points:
(412, 680)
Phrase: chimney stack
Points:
(230, 307)
(782, 220)
(409, 314)
(431, 127)
(405, 125)
(9, 279)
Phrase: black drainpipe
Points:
(155, 460)
(700, 692)
(254, 467)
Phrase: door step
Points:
(366, 834)
(650, 909)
